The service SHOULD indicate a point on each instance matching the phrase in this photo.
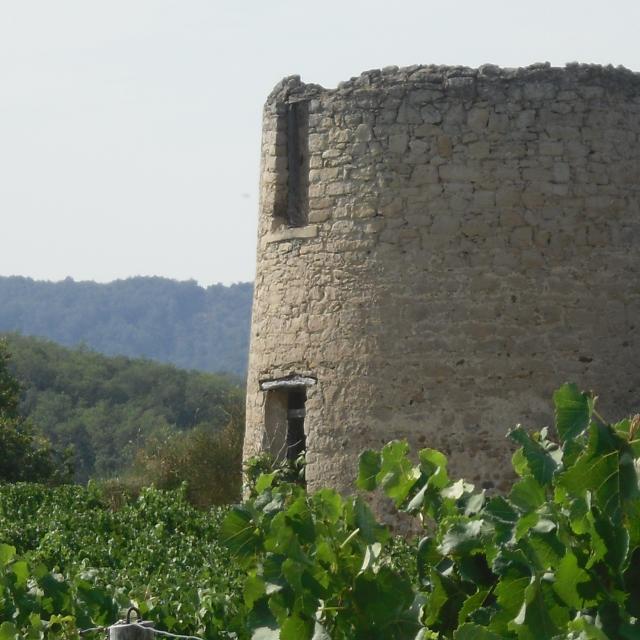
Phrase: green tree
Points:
(26, 456)
(109, 408)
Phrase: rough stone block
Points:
(398, 143)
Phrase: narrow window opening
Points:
(295, 209)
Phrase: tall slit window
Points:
(293, 203)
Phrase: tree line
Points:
(119, 417)
(178, 322)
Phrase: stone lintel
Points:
(287, 383)
(292, 233)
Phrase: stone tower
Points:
(439, 248)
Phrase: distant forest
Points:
(178, 322)
(111, 409)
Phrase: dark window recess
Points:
(297, 163)
(295, 423)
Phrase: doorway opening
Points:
(285, 412)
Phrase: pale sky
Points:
(130, 129)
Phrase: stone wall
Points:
(465, 241)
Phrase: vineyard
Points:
(71, 562)
(558, 558)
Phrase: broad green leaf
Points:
(281, 537)
(470, 605)
(503, 516)
(544, 525)
(597, 547)
(474, 632)
(370, 529)
(579, 510)
(7, 554)
(599, 474)
(541, 462)
(474, 503)
(328, 505)
(383, 596)
(397, 474)
(239, 534)
(8, 631)
(633, 523)
(325, 553)
(295, 628)
(616, 540)
(589, 473)
(502, 511)
(539, 617)
(427, 557)
(474, 568)
(456, 490)
(299, 516)
(623, 427)
(462, 536)
(35, 621)
(279, 603)
(525, 524)
(588, 630)
(527, 494)
(368, 469)
(519, 463)
(544, 550)
(416, 503)
(434, 465)
(292, 572)
(568, 576)
(264, 481)
(444, 602)
(254, 589)
(510, 593)
(573, 411)
(436, 599)
(21, 571)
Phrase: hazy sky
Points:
(130, 129)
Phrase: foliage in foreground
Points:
(70, 562)
(557, 558)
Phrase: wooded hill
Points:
(111, 408)
(178, 322)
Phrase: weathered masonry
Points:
(438, 249)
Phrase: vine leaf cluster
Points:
(556, 558)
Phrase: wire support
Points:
(165, 633)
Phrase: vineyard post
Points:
(130, 632)
(127, 630)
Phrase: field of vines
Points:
(557, 558)
(67, 557)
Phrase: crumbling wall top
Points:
(612, 78)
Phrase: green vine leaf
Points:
(573, 411)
